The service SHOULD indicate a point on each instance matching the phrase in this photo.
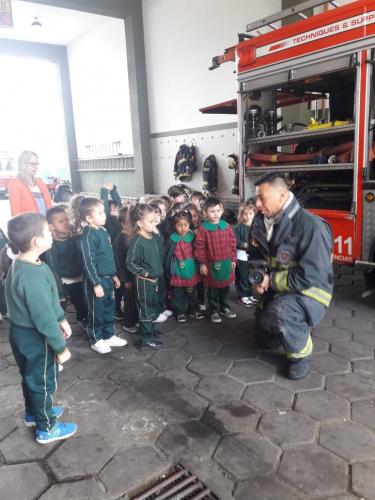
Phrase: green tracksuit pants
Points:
(184, 299)
(100, 311)
(217, 298)
(148, 306)
(37, 364)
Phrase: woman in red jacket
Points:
(28, 193)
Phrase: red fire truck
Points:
(306, 108)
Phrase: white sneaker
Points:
(168, 313)
(1, 317)
(202, 307)
(161, 318)
(115, 341)
(101, 347)
(60, 368)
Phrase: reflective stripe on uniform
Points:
(305, 351)
(318, 294)
(281, 281)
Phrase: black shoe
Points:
(181, 318)
(119, 315)
(148, 345)
(157, 334)
(299, 368)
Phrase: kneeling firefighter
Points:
(290, 250)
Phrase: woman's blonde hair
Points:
(23, 168)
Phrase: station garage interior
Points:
(105, 94)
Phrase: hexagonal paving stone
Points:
(320, 345)
(352, 350)
(85, 390)
(202, 346)
(173, 341)
(354, 324)
(288, 427)
(338, 312)
(12, 401)
(366, 337)
(238, 351)
(232, 417)
(4, 363)
(364, 412)
(322, 405)
(315, 470)
(133, 373)
(5, 349)
(363, 480)
(19, 482)
(328, 363)
(80, 456)
(77, 490)
(332, 333)
(179, 406)
(349, 440)
(265, 488)
(188, 438)
(313, 380)
(169, 360)
(351, 386)
(220, 388)
(247, 456)
(268, 397)
(252, 370)
(99, 369)
(209, 365)
(180, 380)
(142, 463)
(366, 367)
(20, 446)
(200, 330)
(10, 376)
(7, 425)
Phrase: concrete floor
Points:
(211, 400)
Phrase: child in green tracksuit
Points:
(38, 328)
(146, 263)
(100, 277)
(65, 261)
(245, 218)
(182, 268)
(111, 208)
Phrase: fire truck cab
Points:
(306, 108)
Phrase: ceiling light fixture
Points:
(36, 23)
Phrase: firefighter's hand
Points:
(203, 269)
(99, 292)
(263, 287)
(63, 356)
(65, 328)
(116, 281)
(234, 265)
(128, 285)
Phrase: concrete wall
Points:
(181, 37)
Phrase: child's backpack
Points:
(210, 174)
(185, 163)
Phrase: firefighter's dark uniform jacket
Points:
(299, 255)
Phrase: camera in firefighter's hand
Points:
(257, 271)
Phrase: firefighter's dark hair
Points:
(23, 228)
(211, 202)
(272, 178)
(87, 206)
(51, 212)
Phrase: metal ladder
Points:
(284, 14)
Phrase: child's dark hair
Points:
(155, 207)
(23, 228)
(51, 212)
(176, 207)
(175, 191)
(87, 206)
(197, 194)
(137, 213)
(181, 215)
(166, 200)
(211, 202)
(191, 206)
(123, 215)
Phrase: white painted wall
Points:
(100, 89)
(181, 37)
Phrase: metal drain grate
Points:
(177, 484)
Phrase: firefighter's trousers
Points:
(287, 320)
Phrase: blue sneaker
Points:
(59, 431)
(29, 420)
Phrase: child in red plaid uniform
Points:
(215, 250)
(182, 269)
